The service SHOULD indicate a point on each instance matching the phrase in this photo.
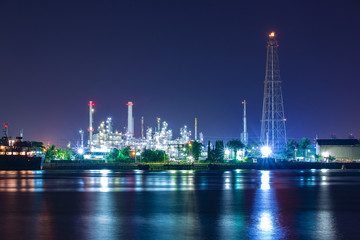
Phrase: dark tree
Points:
(193, 148)
(219, 150)
(208, 150)
(154, 156)
(304, 145)
(122, 155)
(290, 149)
(50, 153)
(235, 145)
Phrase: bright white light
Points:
(265, 151)
(325, 154)
(265, 222)
(80, 151)
(265, 180)
(227, 151)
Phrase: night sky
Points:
(177, 60)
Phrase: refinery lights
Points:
(106, 138)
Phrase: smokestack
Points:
(6, 131)
(158, 122)
(130, 119)
(195, 128)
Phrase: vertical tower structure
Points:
(244, 134)
(142, 127)
(195, 128)
(81, 138)
(91, 129)
(158, 123)
(130, 119)
(273, 130)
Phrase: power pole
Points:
(81, 138)
(91, 129)
(142, 127)
(244, 135)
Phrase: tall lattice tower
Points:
(273, 130)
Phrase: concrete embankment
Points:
(54, 165)
(85, 165)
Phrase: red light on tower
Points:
(6, 125)
(130, 103)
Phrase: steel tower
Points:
(273, 130)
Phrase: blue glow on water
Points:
(183, 204)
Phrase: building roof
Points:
(337, 142)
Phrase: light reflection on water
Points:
(182, 204)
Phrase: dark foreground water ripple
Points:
(239, 204)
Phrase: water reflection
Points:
(265, 180)
(238, 204)
(326, 228)
(266, 214)
(265, 222)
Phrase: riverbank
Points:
(87, 165)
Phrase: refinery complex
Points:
(105, 138)
(273, 130)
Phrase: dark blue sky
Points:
(177, 60)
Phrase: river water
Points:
(237, 204)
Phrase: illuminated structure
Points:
(106, 139)
(273, 131)
(244, 134)
(130, 128)
(195, 128)
(338, 149)
(81, 138)
(91, 129)
(142, 127)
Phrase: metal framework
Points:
(273, 130)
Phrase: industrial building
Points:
(106, 138)
(339, 149)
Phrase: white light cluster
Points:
(161, 139)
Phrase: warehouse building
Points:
(340, 149)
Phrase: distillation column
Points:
(130, 119)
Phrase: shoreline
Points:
(81, 165)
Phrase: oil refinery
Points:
(102, 141)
